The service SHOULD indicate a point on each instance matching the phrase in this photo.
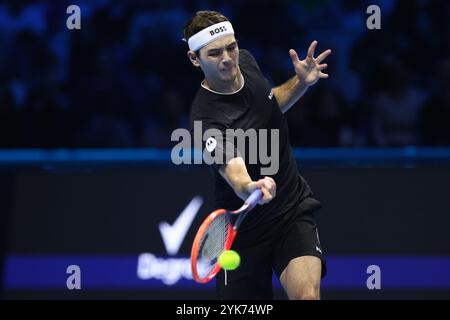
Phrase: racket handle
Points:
(254, 198)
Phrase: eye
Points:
(214, 54)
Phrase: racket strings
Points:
(212, 244)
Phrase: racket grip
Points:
(254, 198)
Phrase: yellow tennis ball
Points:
(229, 260)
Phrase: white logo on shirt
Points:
(211, 144)
(271, 95)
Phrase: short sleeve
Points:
(217, 148)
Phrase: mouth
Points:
(227, 70)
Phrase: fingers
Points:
(310, 55)
(266, 196)
(322, 66)
(323, 75)
(294, 56)
(323, 55)
(311, 49)
(270, 185)
(268, 188)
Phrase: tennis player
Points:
(280, 235)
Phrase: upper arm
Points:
(217, 148)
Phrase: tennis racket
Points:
(215, 235)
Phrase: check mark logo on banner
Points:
(173, 235)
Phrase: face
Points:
(219, 60)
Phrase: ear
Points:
(193, 58)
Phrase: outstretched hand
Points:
(309, 70)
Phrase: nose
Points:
(226, 58)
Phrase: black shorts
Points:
(269, 248)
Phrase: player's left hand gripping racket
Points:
(215, 235)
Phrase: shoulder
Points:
(197, 105)
(246, 58)
(245, 55)
(202, 108)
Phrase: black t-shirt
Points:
(252, 107)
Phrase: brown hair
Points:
(200, 21)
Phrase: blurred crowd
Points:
(124, 80)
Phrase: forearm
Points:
(236, 175)
(289, 92)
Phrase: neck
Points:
(222, 87)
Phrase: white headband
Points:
(209, 34)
